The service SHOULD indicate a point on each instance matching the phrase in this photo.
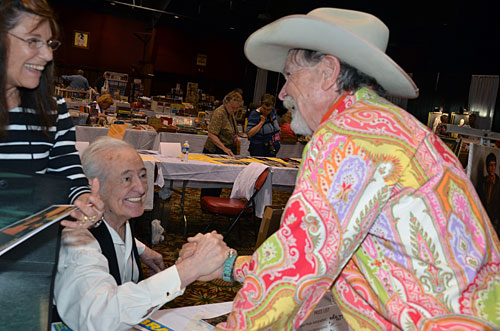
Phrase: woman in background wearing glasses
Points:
(36, 132)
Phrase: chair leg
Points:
(236, 219)
(210, 224)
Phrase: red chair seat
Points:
(225, 206)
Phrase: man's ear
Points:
(331, 69)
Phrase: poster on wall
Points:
(477, 166)
(192, 92)
(483, 172)
(81, 39)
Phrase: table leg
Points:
(183, 196)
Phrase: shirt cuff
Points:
(164, 286)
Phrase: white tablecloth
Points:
(206, 172)
(140, 139)
(198, 174)
(197, 142)
(150, 140)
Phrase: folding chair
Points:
(232, 207)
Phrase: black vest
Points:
(103, 237)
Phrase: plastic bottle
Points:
(185, 151)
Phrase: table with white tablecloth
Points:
(197, 142)
(197, 174)
(140, 139)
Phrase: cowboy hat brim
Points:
(268, 48)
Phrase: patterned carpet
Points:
(242, 238)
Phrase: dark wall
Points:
(115, 45)
(112, 44)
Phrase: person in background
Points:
(36, 132)
(472, 121)
(488, 188)
(263, 129)
(382, 213)
(77, 81)
(103, 103)
(223, 132)
(239, 90)
(99, 83)
(285, 128)
(441, 126)
(99, 283)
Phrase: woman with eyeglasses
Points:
(36, 132)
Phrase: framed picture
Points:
(192, 92)
(453, 143)
(477, 168)
(432, 117)
(81, 39)
(456, 118)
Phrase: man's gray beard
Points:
(299, 124)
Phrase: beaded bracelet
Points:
(227, 274)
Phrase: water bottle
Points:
(185, 151)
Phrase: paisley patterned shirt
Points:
(383, 216)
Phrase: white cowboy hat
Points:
(356, 38)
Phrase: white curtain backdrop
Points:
(260, 85)
(482, 98)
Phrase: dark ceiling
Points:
(448, 36)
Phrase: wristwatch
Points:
(227, 274)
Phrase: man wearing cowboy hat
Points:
(382, 214)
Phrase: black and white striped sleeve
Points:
(64, 158)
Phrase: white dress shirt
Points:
(86, 294)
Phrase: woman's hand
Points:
(229, 152)
(90, 209)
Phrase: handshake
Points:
(203, 258)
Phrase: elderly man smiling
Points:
(99, 283)
(382, 214)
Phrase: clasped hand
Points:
(208, 252)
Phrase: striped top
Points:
(28, 149)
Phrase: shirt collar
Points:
(347, 100)
(117, 240)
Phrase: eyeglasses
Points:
(35, 43)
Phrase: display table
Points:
(150, 140)
(140, 139)
(198, 174)
(197, 142)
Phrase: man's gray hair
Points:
(350, 78)
(94, 155)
